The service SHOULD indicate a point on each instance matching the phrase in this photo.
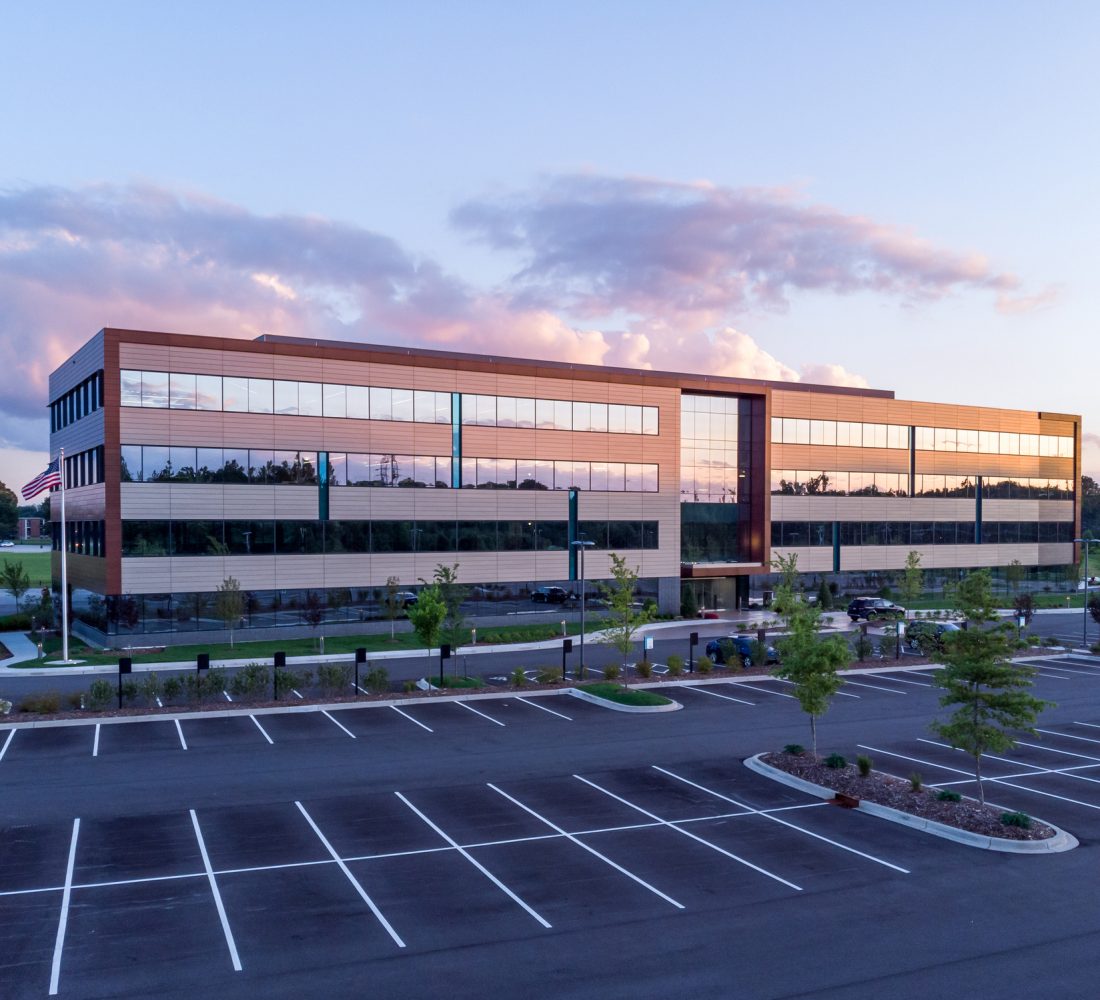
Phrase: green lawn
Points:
(303, 647)
(37, 565)
(623, 696)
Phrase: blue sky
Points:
(901, 195)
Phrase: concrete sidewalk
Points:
(21, 648)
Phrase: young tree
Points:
(689, 606)
(912, 580)
(623, 618)
(824, 596)
(313, 610)
(991, 693)
(1014, 575)
(392, 605)
(15, 580)
(427, 615)
(453, 594)
(809, 660)
(787, 568)
(9, 512)
(229, 604)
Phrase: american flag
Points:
(44, 481)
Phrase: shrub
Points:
(864, 647)
(611, 672)
(333, 678)
(948, 795)
(836, 761)
(19, 622)
(99, 695)
(1051, 641)
(377, 680)
(705, 665)
(149, 687)
(290, 679)
(550, 675)
(758, 653)
(519, 678)
(644, 669)
(1095, 648)
(916, 782)
(74, 699)
(251, 681)
(886, 646)
(675, 665)
(408, 687)
(173, 688)
(43, 703)
(1022, 820)
(864, 763)
(797, 749)
(129, 691)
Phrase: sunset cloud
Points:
(616, 271)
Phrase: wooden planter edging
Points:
(1061, 841)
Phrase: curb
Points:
(1060, 842)
(673, 706)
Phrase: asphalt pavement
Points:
(540, 846)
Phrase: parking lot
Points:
(525, 844)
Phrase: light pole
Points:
(1085, 543)
(581, 544)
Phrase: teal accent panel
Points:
(836, 546)
(456, 440)
(978, 512)
(324, 474)
(574, 495)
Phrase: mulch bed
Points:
(886, 790)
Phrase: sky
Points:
(900, 196)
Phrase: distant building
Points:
(30, 527)
(314, 471)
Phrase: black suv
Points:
(928, 637)
(739, 647)
(873, 608)
(550, 595)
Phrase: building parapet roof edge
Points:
(641, 373)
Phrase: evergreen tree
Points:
(990, 693)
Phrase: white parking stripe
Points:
(1050, 676)
(1064, 753)
(295, 691)
(335, 723)
(477, 864)
(778, 694)
(535, 704)
(902, 680)
(95, 742)
(1036, 770)
(63, 920)
(261, 729)
(776, 819)
(1066, 670)
(687, 833)
(591, 850)
(217, 895)
(463, 704)
(999, 781)
(843, 694)
(7, 743)
(227, 698)
(350, 877)
(873, 687)
(411, 719)
(1068, 736)
(1091, 725)
(715, 694)
(179, 729)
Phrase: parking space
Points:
(54, 741)
(138, 737)
(224, 731)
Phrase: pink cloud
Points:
(679, 261)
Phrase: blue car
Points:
(738, 646)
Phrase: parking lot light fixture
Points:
(1085, 543)
(582, 544)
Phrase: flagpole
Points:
(64, 567)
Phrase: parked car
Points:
(872, 608)
(405, 598)
(736, 646)
(550, 595)
(928, 637)
(7, 543)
